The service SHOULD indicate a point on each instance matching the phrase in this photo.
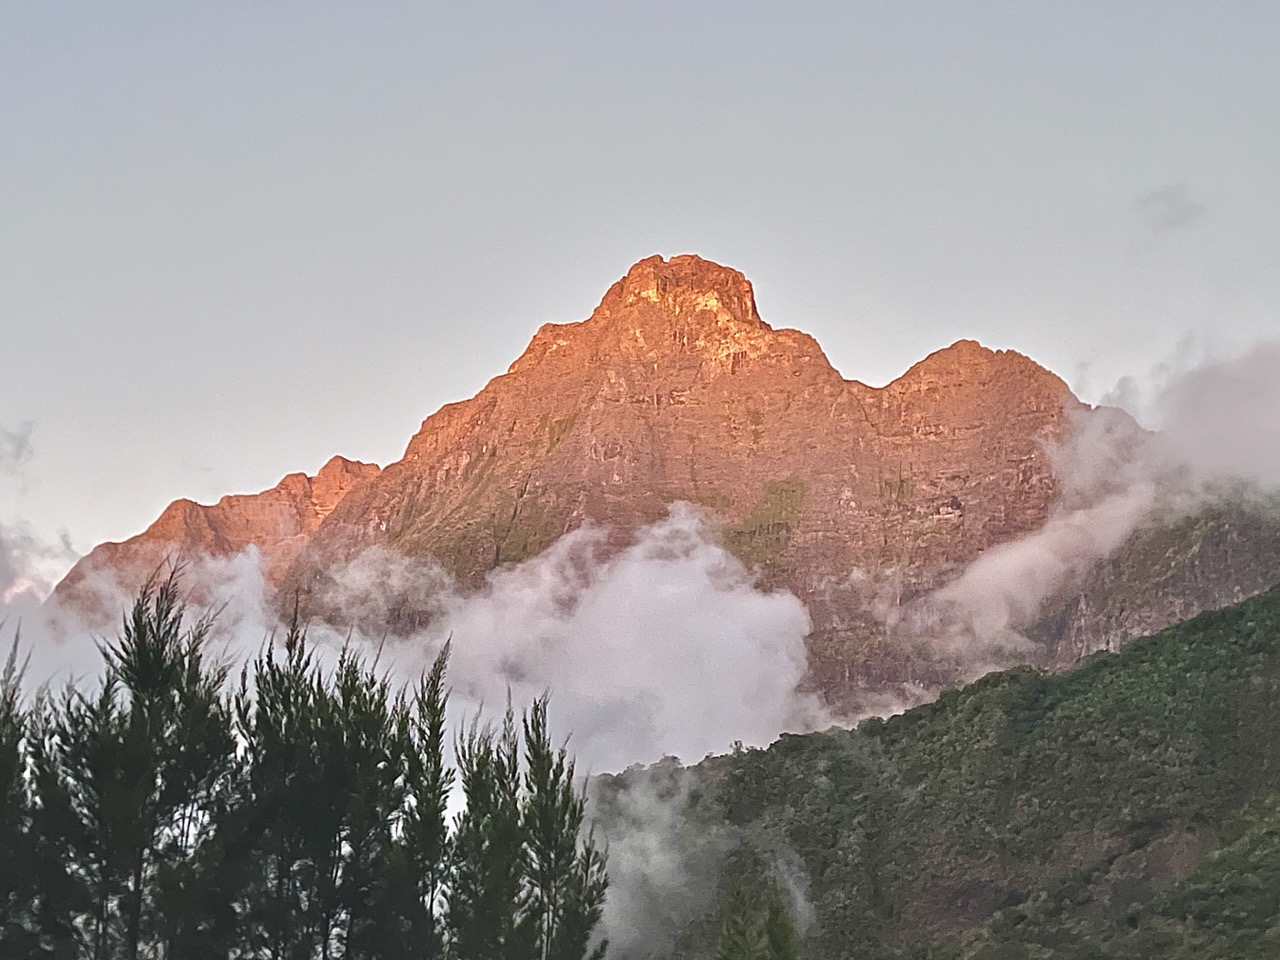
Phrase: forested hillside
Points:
(1129, 808)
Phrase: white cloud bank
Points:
(667, 647)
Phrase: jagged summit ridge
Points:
(277, 522)
(663, 312)
(674, 389)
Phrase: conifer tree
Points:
(486, 903)
(302, 818)
(741, 933)
(277, 721)
(757, 927)
(779, 930)
(564, 871)
(425, 846)
(18, 889)
(129, 779)
(374, 744)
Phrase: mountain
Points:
(675, 389)
(1129, 808)
(277, 522)
(858, 499)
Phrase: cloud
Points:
(1222, 418)
(666, 647)
(30, 564)
(29, 567)
(15, 447)
(1218, 437)
(1169, 208)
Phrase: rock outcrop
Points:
(276, 522)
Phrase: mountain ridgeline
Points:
(857, 499)
(1125, 810)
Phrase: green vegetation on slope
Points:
(768, 528)
(1129, 808)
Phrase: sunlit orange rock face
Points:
(277, 522)
(674, 389)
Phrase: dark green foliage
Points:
(130, 782)
(423, 863)
(756, 927)
(301, 816)
(487, 900)
(779, 932)
(1129, 808)
(741, 933)
(565, 875)
(19, 880)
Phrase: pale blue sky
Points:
(237, 238)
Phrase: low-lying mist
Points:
(666, 648)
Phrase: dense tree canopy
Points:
(302, 813)
(1128, 809)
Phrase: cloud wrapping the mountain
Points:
(1218, 438)
(1222, 418)
(665, 647)
(29, 565)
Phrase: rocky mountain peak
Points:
(686, 286)
(675, 322)
(334, 480)
(856, 498)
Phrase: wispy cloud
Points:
(15, 447)
(1170, 208)
(1218, 436)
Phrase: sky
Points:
(238, 238)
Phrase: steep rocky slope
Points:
(1166, 572)
(675, 389)
(277, 522)
(1127, 809)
